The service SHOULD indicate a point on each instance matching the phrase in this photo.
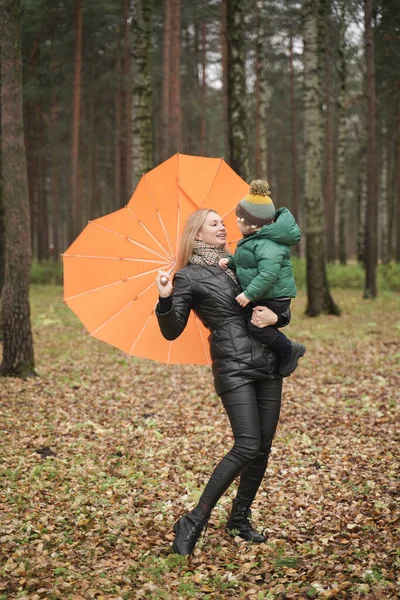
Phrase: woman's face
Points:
(213, 231)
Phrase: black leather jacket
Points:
(237, 357)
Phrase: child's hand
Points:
(242, 299)
(223, 263)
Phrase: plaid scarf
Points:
(204, 254)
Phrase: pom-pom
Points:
(259, 187)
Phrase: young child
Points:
(264, 269)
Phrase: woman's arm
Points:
(173, 321)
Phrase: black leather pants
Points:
(253, 411)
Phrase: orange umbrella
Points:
(110, 269)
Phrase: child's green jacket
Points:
(262, 259)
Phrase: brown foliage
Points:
(103, 452)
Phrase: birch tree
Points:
(18, 356)
(260, 92)
(341, 145)
(318, 295)
(142, 149)
(239, 154)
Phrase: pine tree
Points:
(370, 252)
(142, 134)
(319, 298)
(18, 357)
(239, 152)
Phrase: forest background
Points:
(97, 451)
(112, 88)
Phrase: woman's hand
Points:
(242, 300)
(263, 316)
(165, 289)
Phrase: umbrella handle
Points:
(164, 280)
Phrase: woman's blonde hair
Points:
(192, 227)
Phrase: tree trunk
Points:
(127, 93)
(341, 189)
(18, 357)
(397, 195)
(175, 125)
(361, 206)
(370, 253)
(43, 214)
(2, 223)
(329, 185)
(237, 89)
(75, 201)
(90, 157)
(384, 199)
(225, 108)
(293, 145)
(203, 121)
(260, 91)
(319, 298)
(166, 82)
(117, 144)
(142, 137)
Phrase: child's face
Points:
(244, 228)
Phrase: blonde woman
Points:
(245, 373)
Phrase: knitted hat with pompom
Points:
(257, 208)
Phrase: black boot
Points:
(239, 524)
(288, 362)
(188, 529)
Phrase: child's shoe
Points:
(289, 361)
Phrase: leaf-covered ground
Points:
(101, 453)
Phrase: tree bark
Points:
(75, 200)
(166, 82)
(397, 195)
(142, 134)
(18, 356)
(361, 206)
(330, 211)
(319, 298)
(260, 92)
(175, 124)
(2, 223)
(293, 145)
(237, 89)
(225, 107)
(370, 253)
(127, 94)
(203, 120)
(341, 189)
(384, 199)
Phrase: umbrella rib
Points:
(159, 217)
(149, 233)
(102, 287)
(141, 260)
(141, 332)
(121, 309)
(202, 339)
(169, 353)
(131, 240)
(178, 206)
(212, 183)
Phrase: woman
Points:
(245, 372)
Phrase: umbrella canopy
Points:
(110, 269)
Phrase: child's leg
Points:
(289, 352)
